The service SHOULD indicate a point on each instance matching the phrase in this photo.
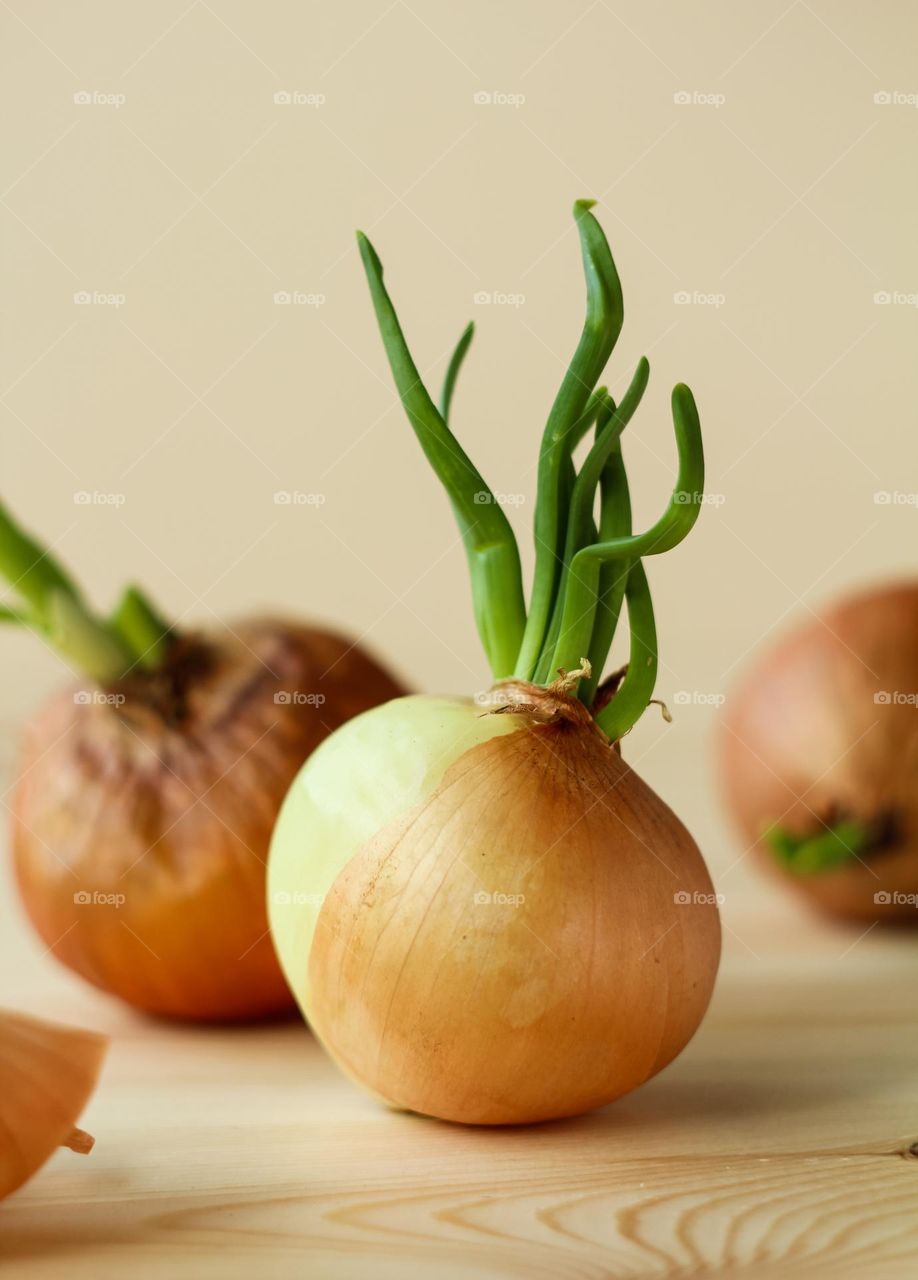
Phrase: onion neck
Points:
(548, 704)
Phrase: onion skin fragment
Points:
(532, 938)
(141, 829)
(47, 1073)
(823, 729)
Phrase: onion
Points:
(484, 913)
(819, 756)
(47, 1073)
(145, 800)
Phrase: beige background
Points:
(781, 188)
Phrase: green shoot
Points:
(53, 606)
(493, 556)
(584, 572)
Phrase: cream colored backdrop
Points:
(184, 163)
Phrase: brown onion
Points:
(47, 1073)
(143, 811)
(819, 756)
(528, 931)
(489, 918)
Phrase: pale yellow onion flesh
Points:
(47, 1073)
(507, 926)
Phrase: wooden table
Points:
(777, 1146)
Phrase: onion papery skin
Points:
(807, 737)
(141, 830)
(47, 1073)
(487, 918)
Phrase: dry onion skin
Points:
(47, 1073)
(484, 913)
(147, 791)
(819, 756)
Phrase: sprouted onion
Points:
(147, 791)
(47, 1073)
(819, 752)
(484, 913)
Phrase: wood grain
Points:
(776, 1146)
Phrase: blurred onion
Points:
(144, 807)
(819, 756)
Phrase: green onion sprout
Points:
(52, 605)
(588, 563)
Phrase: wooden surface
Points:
(777, 1146)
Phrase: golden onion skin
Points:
(536, 937)
(141, 830)
(824, 726)
(47, 1074)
